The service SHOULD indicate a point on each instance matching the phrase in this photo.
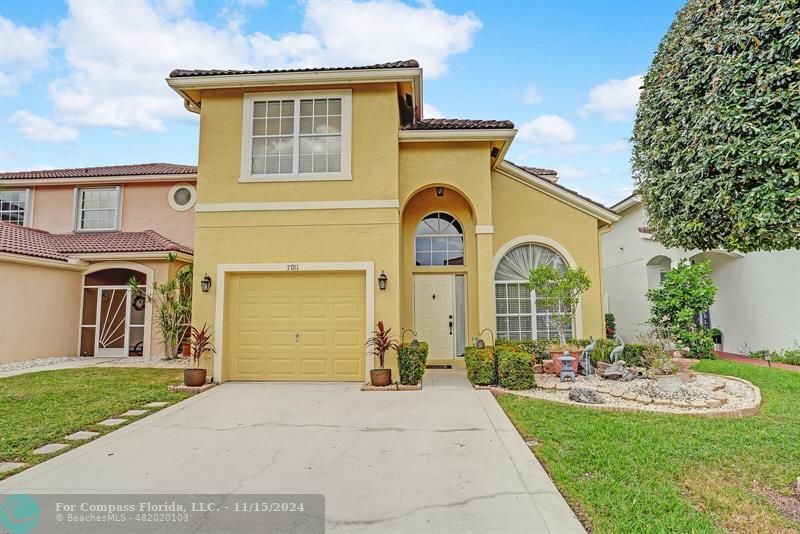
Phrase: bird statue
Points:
(586, 356)
(617, 352)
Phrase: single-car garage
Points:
(295, 326)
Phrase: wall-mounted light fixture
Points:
(205, 283)
(439, 191)
(382, 279)
(414, 342)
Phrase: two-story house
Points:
(71, 239)
(327, 203)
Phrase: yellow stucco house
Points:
(326, 203)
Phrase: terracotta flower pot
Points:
(194, 377)
(380, 377)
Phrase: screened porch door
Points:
(111, 333)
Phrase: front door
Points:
(111, 334)
(434, 314)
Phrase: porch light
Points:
(414, 342)
(205, 283)
(440, 191)
(768, 357)
(382, 279)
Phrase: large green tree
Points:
(716, 144)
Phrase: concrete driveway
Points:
(444, 459)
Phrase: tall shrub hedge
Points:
(515, 368)
(412, 363)
(480, 365)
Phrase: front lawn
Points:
(647, 472)
(44, 407)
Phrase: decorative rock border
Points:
(712, 407)
(192, 389)
(397, 386)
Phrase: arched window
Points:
(516, 310)
(439, 240)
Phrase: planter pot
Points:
(668, 383)
(556, 354)
(194, 377)
(380, 377)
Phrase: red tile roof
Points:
(457, 124)
(567, 189)
(183, 73)
(140, 169)
(38, 243)
(539, 171)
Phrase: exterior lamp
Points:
(382, 279)
(414, 342)
(768, 357)
(439, 191)
(205, 283)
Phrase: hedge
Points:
(480, 365)
(515, 369)
(412, 363)
(633, 355)
(539, 348)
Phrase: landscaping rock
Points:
(697, 404)
(615, 393)
(585, 396)
(603, 389)
(602, 366)
(112, 422)
(5, 467)
(713, 403)
(192, 389)
(563, 386)
(134, 413)
(629, 396)
(617, 371)
(662, 402)
(644, 399)
(50, 448)
(156, 404)
(546, 385)
(719, 396)
(547, 366)
(681, 404)
(717, 385)
(538, 368)
(82, 435)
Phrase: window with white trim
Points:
(518, 313)
(14, 206)
(97, 209)
(439, 241)
(297, 136)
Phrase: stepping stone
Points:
(720, 396)
(50, 448)
(563, 386)
(615, 393)
(718, 385)
(5, 467)
(713, 403)
(629, 396)
(549, 386)
(156, 404)
(662, 402)
(643, 399)
(112, 422)
(134, 413)
(82, 435)
(681, 404)
(603, 389)
(698, 404)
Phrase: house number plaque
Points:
(293, 267)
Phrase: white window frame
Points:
(76, 211)
(534, 314)
(28, 213)
(247, 134)
(192, 196)
(461, 235)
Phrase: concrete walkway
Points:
(444, 459)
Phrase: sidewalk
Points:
(755, 361)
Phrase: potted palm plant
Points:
(200, 345)
(381, 342)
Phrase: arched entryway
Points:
(114, 322)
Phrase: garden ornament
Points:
(566, 367)
(617, 352)
(586, 356)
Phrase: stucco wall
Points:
(520, 210)
(758, 300)
(39, 312)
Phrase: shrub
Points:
(603, 350)
(634, 354)
(412, 363)
(480, 365)
(559, 289)
(515, 369)
(538, 348)
(611, 325)
(791, 357)
(578, 342)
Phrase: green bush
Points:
(634, 353)
(578, 342)
(791, 357)
(412, 363)
(538, 348)
(611, 325)
(515, 369)
(603, 350)
(480, 365)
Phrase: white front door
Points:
(434, 319)
(111, 334)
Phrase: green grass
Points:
(648, 472)
(40, 408)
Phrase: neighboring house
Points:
(327, 203)
(757, 304)
(70, 240)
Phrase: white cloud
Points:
(38, 128)
(532, 95)
(23, 51)
(547, 130)
(118, 53)
(614, 100)
(570, 172)
(431, 112)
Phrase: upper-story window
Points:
(15, 206)
(439, 240)
(97, 209)
(297, 136)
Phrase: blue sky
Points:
(82, 83)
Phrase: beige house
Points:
(326, 202)
(70, 240)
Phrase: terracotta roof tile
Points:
(457, 124)
(184, 73)
(140, 169)
(539, 171)
(567, 189)
(30, 242)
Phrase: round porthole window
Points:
(182, 196)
